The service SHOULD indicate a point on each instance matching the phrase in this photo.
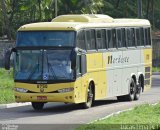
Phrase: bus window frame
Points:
(142, 46)
(122, 38)
(92, 50)
(101, 29)
(82, 63)
(138, 45)
(118, 29)
(150, 37)
(113, 48)
(77, 39)
(133, 29)
(78, 64)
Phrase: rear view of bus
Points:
(64, 61)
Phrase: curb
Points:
(11, 105)
(119, 112)
(155, 73)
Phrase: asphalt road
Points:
(59, 113)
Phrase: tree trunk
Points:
(139, 2)
(6, 20)
(147, 11)
(152, 4)
(40, 10)
(117, 4)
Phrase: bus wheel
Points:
(131, 95)
(89, 102)
(138, 90)
(37, 105)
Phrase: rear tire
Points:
(131, 95)
(90, 98)
(138, 90)
(37, 105)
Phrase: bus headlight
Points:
(22, 90)
(64, 90)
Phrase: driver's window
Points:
(78, 65)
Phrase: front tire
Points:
(37, 105)
(90, 97)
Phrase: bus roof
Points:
(76, 22)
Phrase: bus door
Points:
(81, 69)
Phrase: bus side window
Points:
(138, 39)
(88, 39)
(133, 37)
(109, 39)
(81, 40)
(100, 37)
(93, 42)
(130, 37)
(81, 65)
(119, 38)
(114, 38)
(104, 38)
(142, 36)
(147, 36)
(123, 38)
(78, 65)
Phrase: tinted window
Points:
(114, 38)
(100, 36)
(88, 39)
(81, 40)
(123, 37)
(78, 68)
(93, 41)
(119, 38)
(142, 36)
(130, 37)
(147, 36)
(45, 38)
(109, 38)
(104, 38)
(138, 39)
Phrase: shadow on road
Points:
(49, 109)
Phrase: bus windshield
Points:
(44, 65)
(45, 38)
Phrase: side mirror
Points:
(73, 59)
(7, 58)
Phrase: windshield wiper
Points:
(53, 73)
(52, 70)
(33, 71)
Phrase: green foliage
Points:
(6, 78)
(146, 116)
(19, 12)
(6, 86)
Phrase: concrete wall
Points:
(4, 44)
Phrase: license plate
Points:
(41, 97)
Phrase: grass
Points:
(6, 86)
(156, 69)
(147, 116)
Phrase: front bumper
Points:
(50, 97)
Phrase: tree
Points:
(5, 18)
